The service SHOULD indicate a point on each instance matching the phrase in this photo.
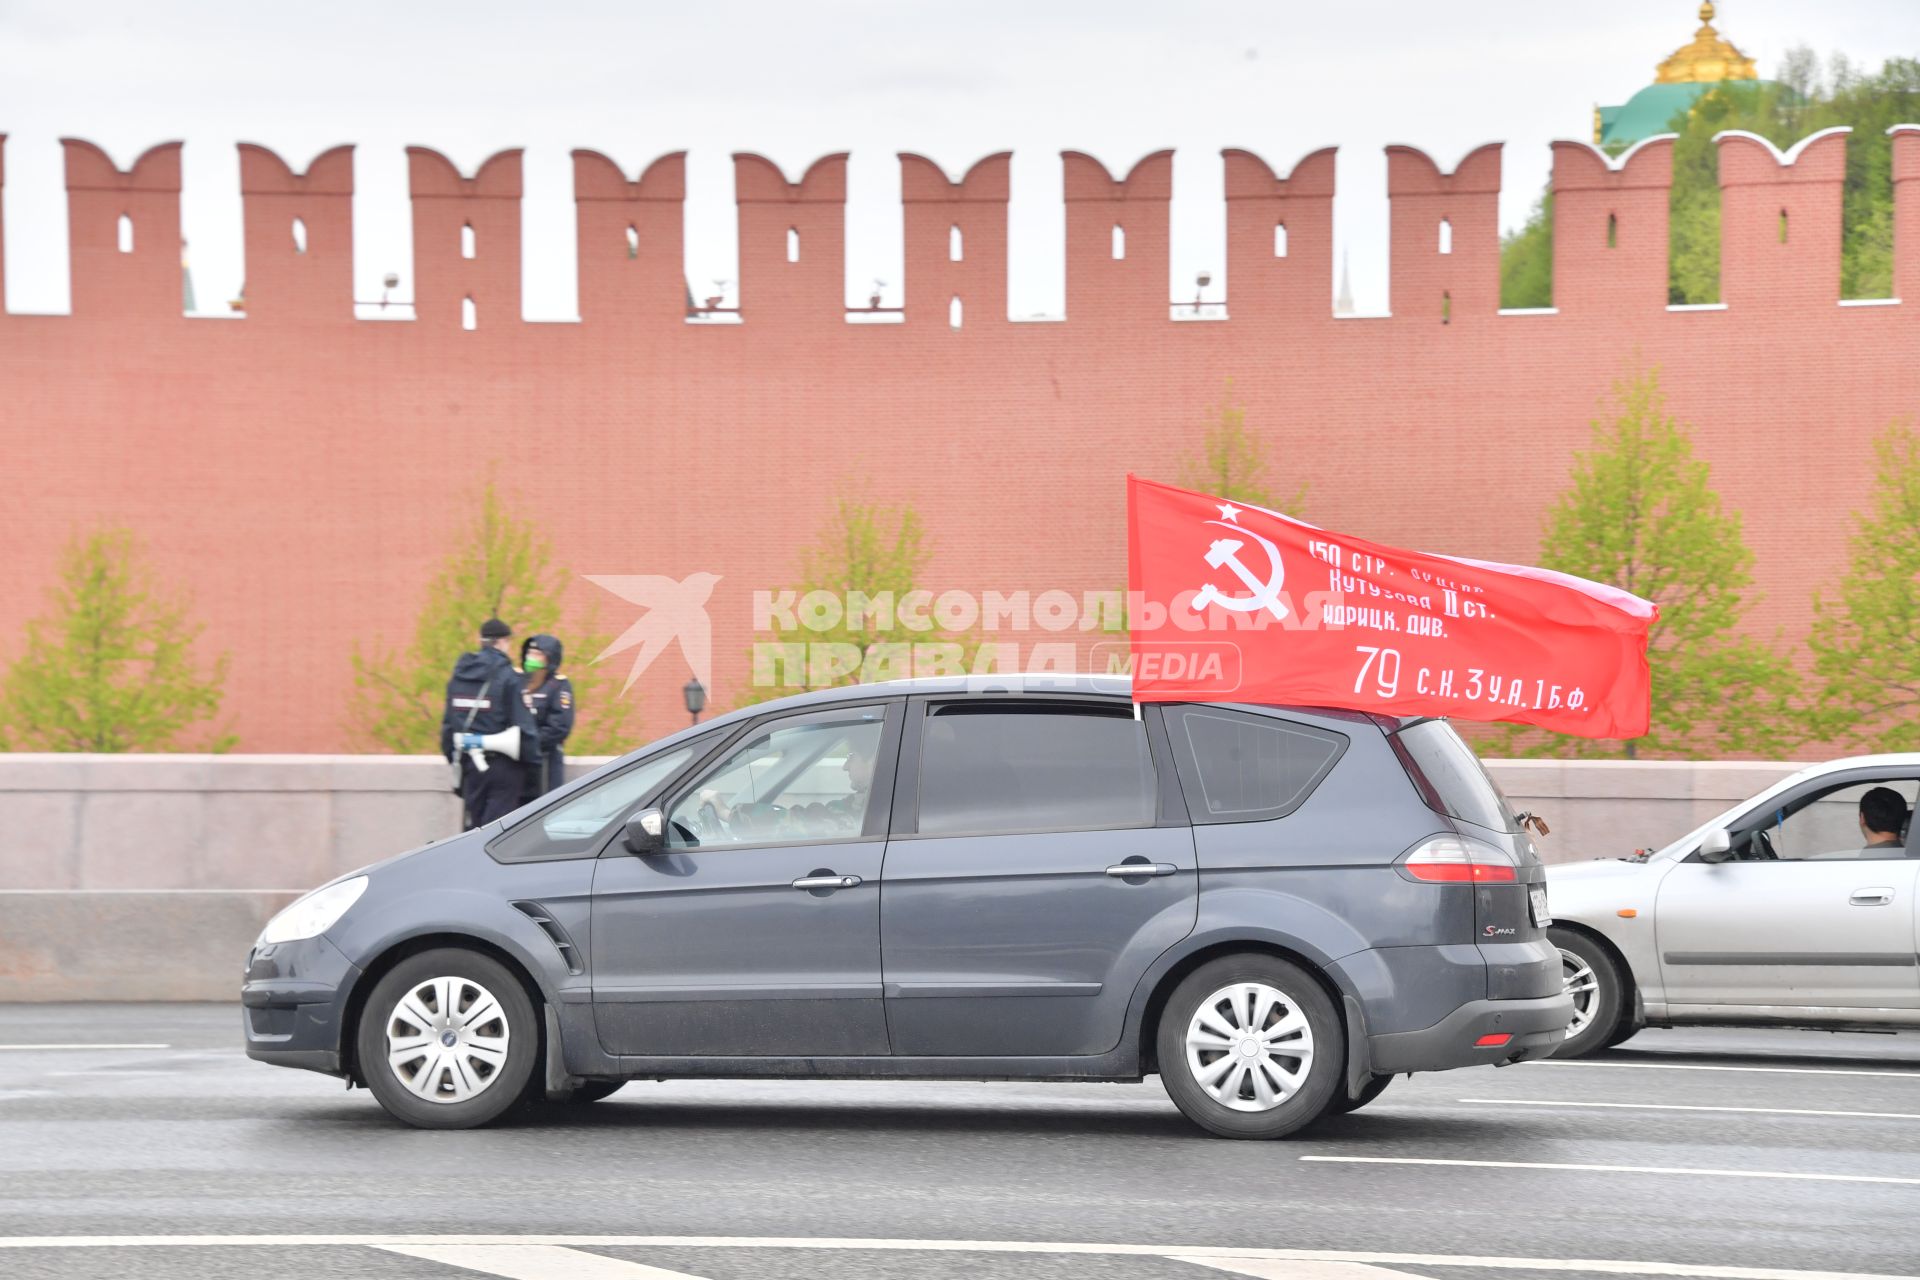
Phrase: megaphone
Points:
(506, 743)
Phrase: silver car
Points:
(1795, 908)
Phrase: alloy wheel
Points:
(447, 1039)
(1249, 1046)
(1584, 986)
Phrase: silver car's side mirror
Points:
(646, 832)
(1717, 846)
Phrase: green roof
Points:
(1647, 112)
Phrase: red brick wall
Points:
(301, 471)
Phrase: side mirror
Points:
(1717, 846)
(645, 832)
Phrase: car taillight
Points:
(1459, 860)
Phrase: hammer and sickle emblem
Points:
(1225, 554)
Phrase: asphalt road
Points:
(1648, 1157)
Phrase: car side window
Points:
(809, 779)
(1866, 821)
(573, 827)
(1004, 769)
(1240, 767)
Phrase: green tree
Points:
(503, 568)
(868, 551)
(1642, 515)
(113, 665)
(1232, 463)
(1866, 644)
(1526, 259)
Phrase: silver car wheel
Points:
(1583, 986)
(1249, 1046)
(447, 1040)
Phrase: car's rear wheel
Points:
(1373, 1088)
(448, 1039)
(1250, 1047)
(1593, 980)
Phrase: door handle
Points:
(826, 882)
(1127, 870)
(1871, 897)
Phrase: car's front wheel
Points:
(448, 1039)
(1250, 1047)
(1593, 980)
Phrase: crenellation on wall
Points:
(144, 279)
(1610, 243)
(446, 205)
(1119, 242)
(793, 241)
(1780, 219)
(1610, 227)
(629, 242)
(1444, 236)
(299, 236)
(941, 217)
(1267, 284)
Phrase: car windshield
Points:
(1730, 817)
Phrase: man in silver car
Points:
(1883, 815)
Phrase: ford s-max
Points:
(1274, 909)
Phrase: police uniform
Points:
(486, 695)
(552, 705)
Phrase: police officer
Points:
(550, 697)
(485, 696)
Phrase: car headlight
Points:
(314, 914)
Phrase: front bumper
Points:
(1536, 1028)
(293, 1004)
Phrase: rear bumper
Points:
(1536, 1028)
(293, 1005)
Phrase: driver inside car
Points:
(841, 817)
(1883, 812)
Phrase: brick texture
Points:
(301, 472)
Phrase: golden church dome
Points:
(1706, 59)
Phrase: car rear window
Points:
(1249, 768)
(1450, 777)
(997, 770)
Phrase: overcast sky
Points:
(794, 80)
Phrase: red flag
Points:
(1236, 602)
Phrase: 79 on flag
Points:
(1380, 675)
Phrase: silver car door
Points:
(1818, 928)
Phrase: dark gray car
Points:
(1275, 909)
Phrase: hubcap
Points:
(447, 1039)
(1584, 987)
(1249, 1046)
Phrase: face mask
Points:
(535, 661)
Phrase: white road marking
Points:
(1616, 1168)
(1670, 1106)
(37, 1048)
(1603, 1266)
(1294, 1269)
(1702, 1066)
(534, 1262)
